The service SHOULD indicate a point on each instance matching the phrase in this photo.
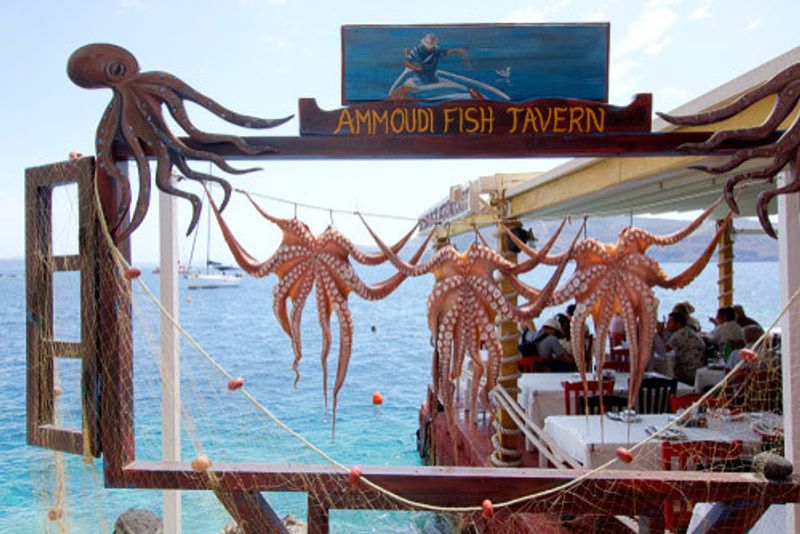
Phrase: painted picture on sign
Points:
(510, 63)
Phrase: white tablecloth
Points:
(593, 440)
(542, 395)
(706, 377)
(772, 522)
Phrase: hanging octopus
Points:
(304, 262)
(134, 116)
(617, 279)
(786, 86)
(462, 307)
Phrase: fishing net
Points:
(82, 308)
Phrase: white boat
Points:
(212, 280)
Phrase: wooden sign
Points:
(501, 62)
(545, 116)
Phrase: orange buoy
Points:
(189, 298)
(235, 383)
(354, 475)
(201, 464)
(377, 398)
(488, 509)
(132, 273)
(57, 391)
(625, 455)
(54, 514)
(748, 355)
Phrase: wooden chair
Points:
(528, 364)
(573, 391)
(684, 401)
(706, 455)
(618, 359)
(611, 403)
(654, 394)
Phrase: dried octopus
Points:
(134, 115)
(462, 307)
(304, 262)
(618, 279)
(786, 150)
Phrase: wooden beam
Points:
(457, 147)
(67, 263)
(251, 511)
(608, 492)
(725, 267)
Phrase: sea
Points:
(236, 326)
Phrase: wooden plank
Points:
(62, 349)
(251, 511)
(318, 517)
(67, 263)
(459, 147)
(60, 439)
(606, 492)
(115, 351)
(730, 518)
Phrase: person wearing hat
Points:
(547, 339)
(687, 346)
(727, 332)
(687, 309)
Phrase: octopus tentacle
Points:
(738, 157)
(324, 303)
(244, 259)
(178, 111)
(202, 177)
(535, 258)
(290, 226)
(283, 291)
(164, 183)
(404, 267)
(143, 169)
(764, 173)
(738, 105)
(645, 239)
(104, 140)
(346, 328)
(183, 90)
(690, 273)
(375, 259)
(763, 200)
(306, 283)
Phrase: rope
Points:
(121, 261)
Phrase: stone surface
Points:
(138, 521)
(290, 521)
(772, 466)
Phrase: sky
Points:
(259, 56)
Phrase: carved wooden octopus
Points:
(304, 262)
(618, 278)
(462, 307)
(134, 115)
(786, 150)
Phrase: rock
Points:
(772, 466)
(290, 521)
(138, 521)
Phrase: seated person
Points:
(526, 343)
(687, 309)
(688, 347)
(547, 339)
(727, 332)
(566, 335)
(751, 335)
(742, 319)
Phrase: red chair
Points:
(705, 454)
(574, 390)
(618, 359)
(615, 340)
(684, 401)
(527, 364)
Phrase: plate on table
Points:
(671, 434)
(716, 367)
(617, 416)
(767, 430)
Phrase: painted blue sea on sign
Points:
(516, 63)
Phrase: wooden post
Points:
(170, 354)
(725, 266)
(789, 265)
(507, 435)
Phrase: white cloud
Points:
(700, 13)
(755, 23)
(650, 32)
(676, 93)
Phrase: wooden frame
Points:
(40, 267)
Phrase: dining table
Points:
(592, 440)
(541, 394)
(708, 377)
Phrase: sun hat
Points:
(553, 323)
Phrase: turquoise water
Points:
(237, 327)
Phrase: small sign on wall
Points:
(498, 62)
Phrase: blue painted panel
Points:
(497, 62)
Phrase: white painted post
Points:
(789, 257)
(170, 355)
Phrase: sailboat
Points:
(217, 274)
